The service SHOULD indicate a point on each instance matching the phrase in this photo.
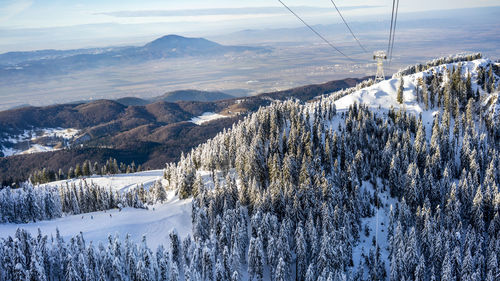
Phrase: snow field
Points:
(155, 223)
(206, 117)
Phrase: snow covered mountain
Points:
(383, 96)
(390, 181)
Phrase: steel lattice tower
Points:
(380, 56)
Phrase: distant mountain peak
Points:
(45, 63)
(177, 41)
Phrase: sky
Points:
(69, 23)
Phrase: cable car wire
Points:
(315, 32)
(394, 30)
(348, 27)
(390, 32)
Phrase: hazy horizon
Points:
(30, 25)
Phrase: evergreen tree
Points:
(281, 271)
(86, 168)
(310, 276)
(174, 272)
(300, 252)
(425, 96)
(175, 246)
(78, 171)
(236, 276)
(255, 259)
(400, 97)
(37, 269)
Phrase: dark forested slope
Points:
(155, 131)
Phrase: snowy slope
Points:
(382, 96)
(36, 148)
(206, 117)
(155, 223)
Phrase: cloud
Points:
(221, 11)
(13, 8)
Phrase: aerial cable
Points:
(392, 22)
(394, 31)
(315, 32)
(348, 27)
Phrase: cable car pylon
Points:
(380, 56)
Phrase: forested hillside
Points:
(150, 135)
(390, 181)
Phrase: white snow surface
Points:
(38, 148)
(155, 223)
(118, 182)
(206, 117)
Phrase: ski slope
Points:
(155, 223)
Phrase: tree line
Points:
(35, 203)
(84, 169)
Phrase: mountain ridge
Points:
(52, 62)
